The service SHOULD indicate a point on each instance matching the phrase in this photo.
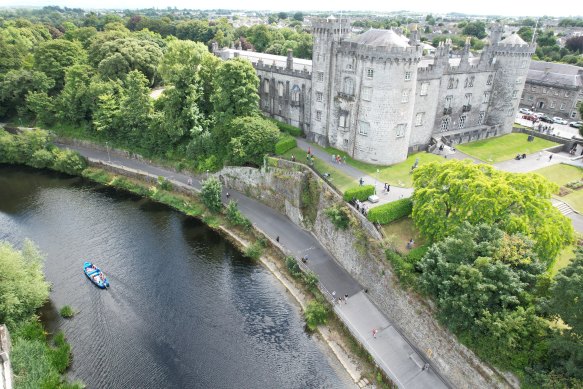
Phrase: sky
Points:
(490, 7)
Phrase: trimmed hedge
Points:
(359, 192)
(387, 213)
(284, 144)
(293, 131)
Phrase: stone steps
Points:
(564, 208)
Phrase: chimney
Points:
(290, 60)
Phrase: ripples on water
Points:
(185, 309)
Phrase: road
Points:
(407, 367)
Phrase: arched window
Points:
(295, 94)
(266, 86)
(280, 89)
(348, 86)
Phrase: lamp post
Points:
(107, 147)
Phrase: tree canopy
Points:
(236, 85)
(446, 195)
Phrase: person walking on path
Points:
(550, 157)
(374, 333)
(345, 299)
(333, 297)
(388, 188)
(277, 239)
(361, 181)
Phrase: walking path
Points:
(407, 367)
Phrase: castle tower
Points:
(511, 59)
(327, 34)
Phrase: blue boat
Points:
(95, 275)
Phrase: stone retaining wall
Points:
(5, 369)
(358, 250)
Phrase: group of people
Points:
(338, 159)
(360, 206)
(519, 157)
(340, 299)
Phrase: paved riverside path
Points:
(391, 350)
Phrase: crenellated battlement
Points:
(304, 73)
(388, 53)
(512, 50)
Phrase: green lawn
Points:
(561, 174)
(504, 147)
(400, 232)
(398, 174)
(338, 179)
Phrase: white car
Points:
(559, 120)
(525, 111)
(538, 114)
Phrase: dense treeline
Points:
(97, 82)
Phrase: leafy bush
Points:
(42, 159)
(359, 192)
(211, 194)
(68, 161)
(387, 213)
(284, 144)
(311, 279)
(235, 217)
(339, 216)
(67, 312)
(416, 254)
(292, 266)
(164, 184)
(293, 131)
(61, 354)
(254, 251)
(316, 314)
(574, 184)
(404, 270)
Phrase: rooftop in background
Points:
(556, 74)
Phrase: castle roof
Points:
(267, 59)
(513, 39)
(374, 37)
(558, 74)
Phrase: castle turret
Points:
(290, 60)
(327, 34)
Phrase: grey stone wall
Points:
(5, 368)
(358, 251)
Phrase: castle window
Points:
(562, 107)
(466, 82)
(486, 97)
(349, 86)
(444, 124)
(468, 99)
(523, 64)
(279, 107)
(552, 103)
(450, 83)
(349, 66)
(556, 92)
(319, 96)
(405, 96)
(419, 118)
(456, 83)
(424, 88)
(266, 86)
(345, 142)
(533, 88)
(490, 78)
(318, 115)
(363, 128)
(400, 130)
(510, 112)
(342, 119)
(367, 93)
(530, 98)
(407, 76)
(369, 72)
(462, 122)
(320, 76)
(448, 101)
(280, 89)
(481, 117)
(471, 84)
(518, 80)
(295, 95)
(566, 93)
(514, 94)
(544, 90)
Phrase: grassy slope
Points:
(504, 147)
(562, 174)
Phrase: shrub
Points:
(387, 213)
(41, 159)
(416, 254)
(316, 314)
(293, 131)
(284, 144)
(574, 184)
(61, 354)
(311, 279)
(339, 216)
(404, 270)
(68, 161)
(164, 184)
(254, 251)
(67, 312)
(235, 217)
(359, 192)
(292, 266)
(211, 194)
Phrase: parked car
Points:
(559, 120)
(538, 114)
(525, 111)
(545, 119)
(532, 118)
(576, 124)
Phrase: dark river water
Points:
(185, 309)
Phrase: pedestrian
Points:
(277, 239)
(345, 299)
(308, 156)
(385, 187)
(426, 366)
(388, 187)
(540, 154)
(361, 181)
(523, 155)
(190, 181)
(309, 150)
(345, 159)
(374, 333)
(228, 195)
(550, 157)
(305, 258)
(410, 244)
(334, 296)
(293, 158)
(333, 157)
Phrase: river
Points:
(185, 309)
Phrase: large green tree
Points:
(235, 94)
(74, 103)
(23, 288)
(135, 108)
(446, 195)
(250, 138)
(16, 84)
(54, 57)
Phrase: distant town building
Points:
(376, 97)
(555, 89)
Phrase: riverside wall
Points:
(5, 369)
(359, 251)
